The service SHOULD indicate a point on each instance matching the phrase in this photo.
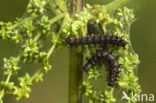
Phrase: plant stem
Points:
(29, 18)
(53, 46)
(58, 35)
(76, 6)
(1, 94)
(75, 62)
(7, 80)
(110, 7)
(115, 4)
(75, 76)
(57, 18)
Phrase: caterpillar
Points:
(96, 39)
(103, 56)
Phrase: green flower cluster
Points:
(45, 25)
(30, 34)
(36, 7)
(10, 65)
(30, 51)
(24, 87)
(77, 26)
(7, 31)
(128, 79)
(104, 96)
(107, 97)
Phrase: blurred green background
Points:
(54, 88)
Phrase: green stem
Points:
(111, 90)
(8, 78)
(54, 45)
(75, 63)
(35, 16)
(2, 93)
(29, 18)
(115, 4)
(110, 7)
(75, 76)
(58, 35)
(37, 37)
(55, 19)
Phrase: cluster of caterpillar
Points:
(96, 39)
(100, 55)
(103, 56)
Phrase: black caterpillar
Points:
(102, 56)
(96, 39)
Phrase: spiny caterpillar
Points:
(96, 39)
(103, 56)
